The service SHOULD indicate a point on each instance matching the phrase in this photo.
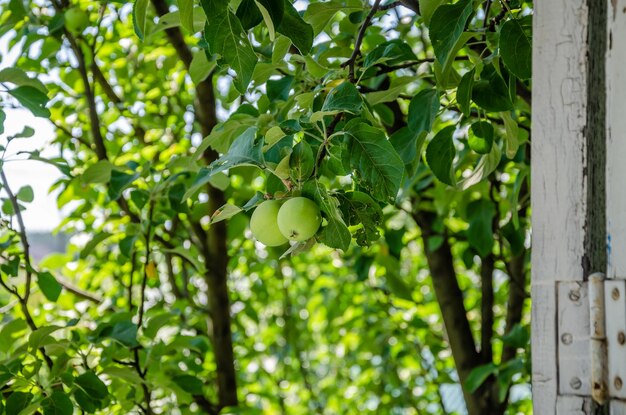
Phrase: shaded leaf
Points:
(464, 92)
(33, 99)
(92, 385)
(447, 25)
(516, 47)
(189, 384)
(374, 159)
(478, 376)
(296, 29)
(58, 403)
(440, 155)
(18, 401)
(359, 208)
(343, 97)
(423, 110)
(227, 38)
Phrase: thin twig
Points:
(146, 265)
(359, 39)
(21, 233)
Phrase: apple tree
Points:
(275, 207)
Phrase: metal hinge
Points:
(592, 338)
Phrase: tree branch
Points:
(359, 39)
(450, 299)
(214, 250)
(486, 309)
(28, 267)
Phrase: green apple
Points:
(299, 219)
(76, 20)
(264, 225)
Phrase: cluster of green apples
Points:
(275, 222)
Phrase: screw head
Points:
(621, 337)
(567, 338)
(574, 295)
(617, 383)
(575, 383)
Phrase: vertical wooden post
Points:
(568, 159)
(616, 180)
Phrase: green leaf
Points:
(517, 337)
(319, 14)
(140, 12)
(185, 8)
(33, 99)
(98, 173)
(25, 194)
(392, 52)
(511, 129)
(249, 14)
(491, 92)
(374, 159)
(11, 332)
(93, 243)
(225, 212)
(92, 385)
(343, 97)
(281, 47)
(447, 25)
(246, 150)
(227, 38)
(440, 155)
(278, 89)
(408, 145)
(486, 165)
(335, 234)
(359, 208)
(480, 232)
(427, 8)
(85, 402)
(296, 29)
(200, 66)
(18, 401)
(516, 47)
(26, 132)
(464, 92)
(173, 19)
(58, 403)
(189, 384)
(119, 182)
(481, 137)
(18, 77)
(398, 86)
(125, 332)
(272, 11)
(423, 110)
(478, 376)
(301, 162)
(447, 77)
(224, 134)
(49, 286)
(37, 337)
